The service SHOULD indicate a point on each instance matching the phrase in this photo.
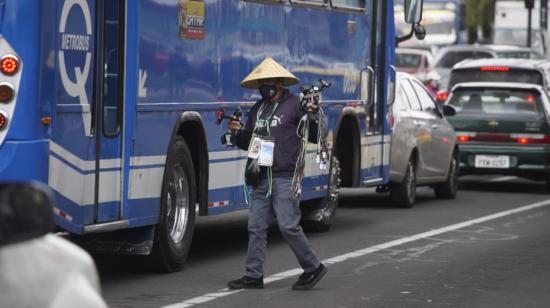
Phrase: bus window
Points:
(350, 4)
(266, 1)
(312, 3)
(112, 96)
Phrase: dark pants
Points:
(287, 210)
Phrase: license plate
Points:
(493, 161)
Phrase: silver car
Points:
(423, 148)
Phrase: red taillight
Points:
(442, 96)
(9, 65)
(464, 136)
(494, 69)
(530, 99)
(3, 121)
(522, 139)
(530, 138)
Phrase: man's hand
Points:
(234, 125)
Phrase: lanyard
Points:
(267, 121)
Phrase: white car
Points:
(37, 268)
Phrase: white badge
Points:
(254, 151)
(266, 153)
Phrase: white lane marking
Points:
(362, 252)
(503, 179)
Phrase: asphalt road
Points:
(438, 254)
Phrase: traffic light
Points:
(529, 4)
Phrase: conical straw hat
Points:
(269, 68)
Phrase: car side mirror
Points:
(26, 212)
(448, 110)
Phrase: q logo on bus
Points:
(77, 46)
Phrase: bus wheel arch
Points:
(347, 148)
(190, 126)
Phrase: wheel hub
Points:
(177, 204)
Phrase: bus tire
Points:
(448, 189)
(322, 220)
(174, 232)
(404, 194)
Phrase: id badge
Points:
(267, 148)
(254, 151)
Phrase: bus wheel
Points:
(322, 219)
(174, 232)
(404, 194)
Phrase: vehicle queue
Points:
(496, 99)
(488, 118)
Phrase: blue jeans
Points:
(287, 211)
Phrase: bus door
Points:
(372, 154)
(108, 115)
(85, 150)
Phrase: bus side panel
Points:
(72, 146)
(390, 73)
(182, 74)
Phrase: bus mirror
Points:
(419, 32)
(413, 11)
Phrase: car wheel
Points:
(448, 189)
(174, 232)
(404, 194)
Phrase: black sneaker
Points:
(306, 281)
(246, 283)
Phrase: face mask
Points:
(268, 92)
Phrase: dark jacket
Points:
(283, 127)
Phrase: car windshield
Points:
(408, 60)
(452, 57)
(520, 55)
(496, 102)
(491, 74)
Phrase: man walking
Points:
(270, 137)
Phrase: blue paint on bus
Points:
(119, 82)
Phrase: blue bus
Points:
(114, 105)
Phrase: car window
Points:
(451, 58)
(411, 95)
(408, 60)
(426, 100)
(497, 102)
(495, 74)
(520, 55)
(402, 102)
